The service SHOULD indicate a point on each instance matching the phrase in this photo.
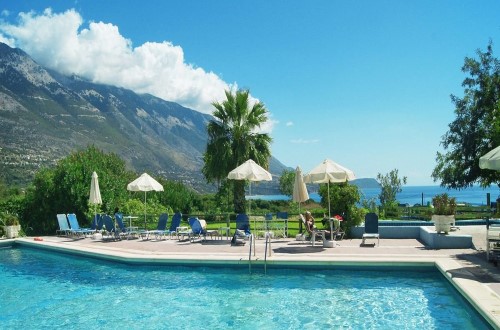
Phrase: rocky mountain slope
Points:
(45, 115)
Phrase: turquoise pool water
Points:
(47, 290)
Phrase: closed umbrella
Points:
(491, 160)
(300, 193)
(95, 193)
(251, 171)
(144, 183)
(326, 172)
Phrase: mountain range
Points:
(45, 115)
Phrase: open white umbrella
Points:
(251, 171)
(491, 160)
(95, 193)
(326, 172)
(144, 183)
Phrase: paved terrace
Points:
(467, 269)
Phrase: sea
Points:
(413, 195)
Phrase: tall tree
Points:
(390, 185)
(287, 179)
(476, 128)
(233, 138)
(65, 189)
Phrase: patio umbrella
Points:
(300, 193)
(491, 160)
(326, 172)
(95, 193)
(251, 171)
(144, 183)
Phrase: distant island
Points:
(366, 183)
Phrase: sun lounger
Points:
(371, 228)
(110, 232)
(97, 223)
(75, 226)
(160, 231)
(64, 229)
(176, 222)
(124, 231)
(208, 232)
(242, 226)
(195, 230)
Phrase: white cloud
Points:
(268, 126)
(289, 123)
(8, 41)
(100, 53)
(5, 13)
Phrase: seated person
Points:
(309, 222)
(311, 227)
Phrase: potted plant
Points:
(444, 212)
(11, 225)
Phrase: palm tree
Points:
(233, 138)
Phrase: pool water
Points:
(47, 290)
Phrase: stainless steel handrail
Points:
(250, 254)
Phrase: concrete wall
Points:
(426, 234)
(390, 232)
(439, 241)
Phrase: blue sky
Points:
(364, 83)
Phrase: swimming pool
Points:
(44, 290)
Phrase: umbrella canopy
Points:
(251, 171)
(491, 160)
(326, 172)
(329, 171)
(144, 183)
(95, 193)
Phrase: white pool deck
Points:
(467, 269)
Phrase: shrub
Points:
(10, 219)
(444, 205)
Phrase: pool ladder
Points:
(252, 246)
(268, 243)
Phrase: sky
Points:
(366, 84)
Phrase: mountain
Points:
(45, 115)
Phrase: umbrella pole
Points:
(300, 222)
(250, 200)
(145, 211)
(329, 213)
